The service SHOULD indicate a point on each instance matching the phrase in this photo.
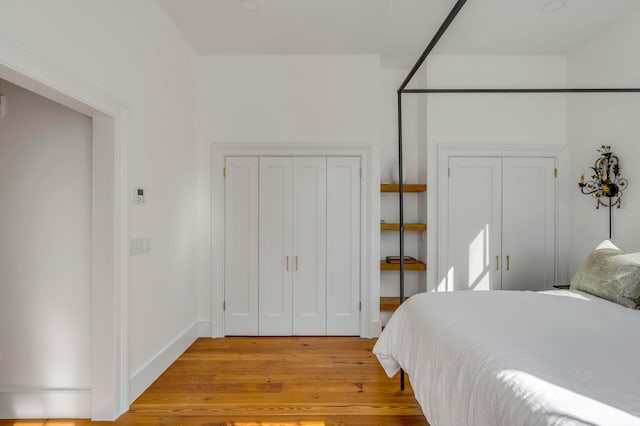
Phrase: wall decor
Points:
(606, 183)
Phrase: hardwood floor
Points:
(272, 381)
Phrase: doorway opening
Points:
(108, 318)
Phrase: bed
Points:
(517, 358)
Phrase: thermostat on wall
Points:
(139, 196)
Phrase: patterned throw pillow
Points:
(610, 274)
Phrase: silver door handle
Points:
(296, 263)
(507, 262)
(287, 268)
(497, 263)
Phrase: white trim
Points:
(142, 378)
(561, 155)
(369, 275)
(109, 321)
(33, 402)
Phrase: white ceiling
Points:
(397, 30)
(523, 26)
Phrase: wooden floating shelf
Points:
(389, 303)
(420, 266)
(420, 227)
(407, 187)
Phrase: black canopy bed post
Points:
(401, 210)
(443, 28)
(401, 199)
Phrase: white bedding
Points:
(517, 358)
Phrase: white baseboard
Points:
(44, 403)
(148, 373)
(375, 326)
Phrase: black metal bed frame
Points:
(402, 90)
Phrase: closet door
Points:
(241, 246)
(343, 246)
(309, 245)
(474, 229)
(528, 224)
(275, 246)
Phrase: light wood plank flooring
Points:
(273, 381)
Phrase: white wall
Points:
(609, 60)
(510, 119)
(45, 206)
(496, 119)
(325, 99)
(294, 99)
(132, 51)
(301, 100)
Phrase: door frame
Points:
(109, 393)
(369, 217)
(560, 154)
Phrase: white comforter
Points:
(517, 358)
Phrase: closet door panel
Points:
(309, 245)
(241, 246)
(528, 224)
(275, 244)
(343, 246)
(474, 229)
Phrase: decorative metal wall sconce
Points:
(606, 184)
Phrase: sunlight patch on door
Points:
(479, 278)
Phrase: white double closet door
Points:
(292, 246)
(501, 223)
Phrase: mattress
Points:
(517, 358)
